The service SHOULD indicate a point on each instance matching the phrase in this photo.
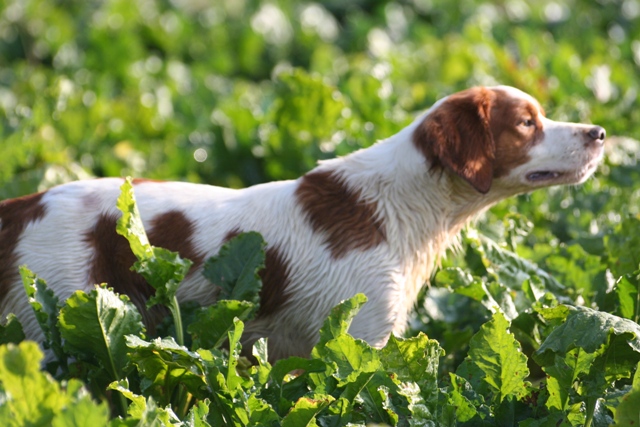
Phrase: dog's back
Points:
(373, 222)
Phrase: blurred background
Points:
(238, 92)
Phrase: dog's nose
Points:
(597, 133)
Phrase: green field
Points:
(239, 92)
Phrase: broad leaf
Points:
(415, 360)
(505, 266)
(94, 327)
(145, 411)
(164, 366)
(305, 410)
(212, 323)
(562, 375)
(46, 307)
(162, 269)
(352, 357)
(587, 329)
(197, 416)
(463, 398)
(234, 380)
(29, 397)
(235, 268)
(627, 290)
(261, 413)
(138, 403)
(11, 331)
(82, 413)
(627, 414)
(338, 321)
(495, 352)
(622, 247)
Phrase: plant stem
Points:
(123, 404)
(177, 320)
(591, 408)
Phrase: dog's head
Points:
(500, 134)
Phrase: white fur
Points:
(422, 211)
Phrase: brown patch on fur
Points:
(348, 222)
(457, 135)
(174, 231)
(15, 216)
(513, 140)
(111, 264)
(274, 276)
(231, 234)
(113, 258)
(478, 134)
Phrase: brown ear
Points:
(457, 136)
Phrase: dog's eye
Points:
(527, 122)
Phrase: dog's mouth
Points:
(546, 177)
(538, 176)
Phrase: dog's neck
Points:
(423, 209)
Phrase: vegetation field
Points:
(533, 322)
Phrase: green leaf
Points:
(305, 410)
(562, 375)
(627, 290)
(494, 296)
(234, 380)
(235, 269)
(162, 269)
(46, 307)
(30, 396)
(587, 329)
(138, 403)
(412, 359)
(352, 357)
(263, 369)
(83, 412)
(382, 399)
(415, 360)
(495, 352)
(579, 271)
(505, 266)
(94, 327)
(463, 398)
(261, 413)
(212, 323)
(130, 224)
(11, 331)
(627, 414)
(165, 366)
(197, 416)
(285, 366)
(622, 247)
(338, 321)
(338, 413)
(281, 391)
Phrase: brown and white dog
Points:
(374, 222)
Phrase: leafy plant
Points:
(237, 93)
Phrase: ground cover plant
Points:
(532, 322)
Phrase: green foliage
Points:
(235, 269)
(31, 397)
(162, 269)
(237, 93)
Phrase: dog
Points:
(373, 222)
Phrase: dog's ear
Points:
(457, 135)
